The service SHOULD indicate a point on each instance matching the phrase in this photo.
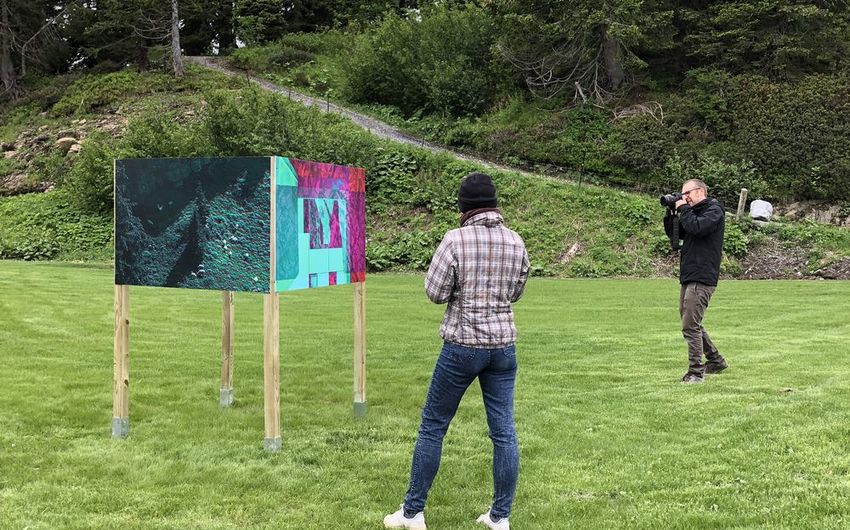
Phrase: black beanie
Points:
(476, 191)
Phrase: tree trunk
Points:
(8, 76)
(613, 69)
(176, 53)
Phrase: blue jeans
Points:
(457, 367)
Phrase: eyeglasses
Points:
(686, 193)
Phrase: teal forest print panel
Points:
(200, 223)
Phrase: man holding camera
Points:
(701, 224)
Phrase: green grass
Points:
(608, 438)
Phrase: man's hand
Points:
(680, 202)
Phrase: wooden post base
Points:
(120, 427)
(226, 397)
(360, 409)
(272, 445)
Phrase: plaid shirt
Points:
(479, 269)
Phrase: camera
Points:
(670, 199)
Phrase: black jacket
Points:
(701, 228)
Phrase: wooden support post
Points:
(360, 349)
(271, 331)
(121, 364)
(227, 325)
(742, 203)
(271, 369)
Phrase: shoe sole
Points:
(395, 527)
(480, 523)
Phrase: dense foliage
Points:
(47, 226)
(628, 92)
(637, 94)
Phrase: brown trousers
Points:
(693, 301)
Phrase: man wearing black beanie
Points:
(479, 269)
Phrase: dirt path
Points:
(376, 127)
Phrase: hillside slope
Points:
(571, 230)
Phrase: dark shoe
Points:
(715, 367)
(692, 379)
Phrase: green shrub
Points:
(270, 57)
(384, 67)
(287, 56)
(709, 92)
(724, 179)
(391, 180)
(735, 240)
(42, 226)
(50, 167)
(730, 266)
(441, 61)
(89, 181)
(152, 133)
(797, 135)
(641, 146)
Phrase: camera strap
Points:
(674, 238)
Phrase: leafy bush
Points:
(735, 240)
(287, 56)
(797, 135)
(384, 67)
(89, 181)
(391, 179)
(709, 93)
(440, 61)
(724, 179)
(641, 146)
(46, 225)
(49, 167)
(276, 55)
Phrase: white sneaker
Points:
(398, 520)
(501, 524)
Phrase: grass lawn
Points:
(608, 437)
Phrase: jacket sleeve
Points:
(442, 273)
(700, 225)
(519, 286)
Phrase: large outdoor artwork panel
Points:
(193, 223)
(206, 223)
